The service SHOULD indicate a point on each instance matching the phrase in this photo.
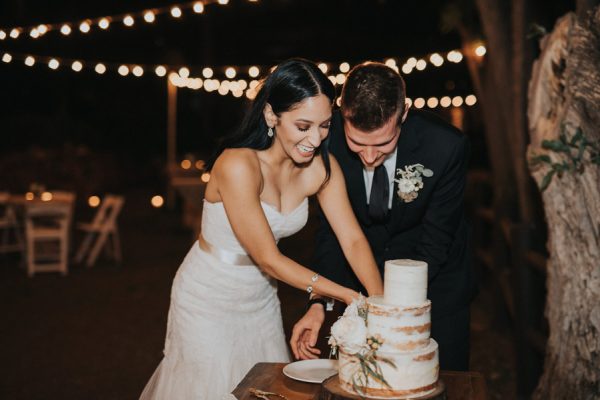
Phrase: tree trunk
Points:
(564, 95)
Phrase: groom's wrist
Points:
(316, 300)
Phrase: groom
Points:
(373, 136)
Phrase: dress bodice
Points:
(217, 230)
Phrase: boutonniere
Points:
(410, 181)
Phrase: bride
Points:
(224, 315)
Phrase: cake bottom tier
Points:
(414, 374)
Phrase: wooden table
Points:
(269, 377)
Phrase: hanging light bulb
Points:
(445, 101)
(42, 29)
(421, 64)
(390, 62)
(100, 68)
(406, 69)
(65, 30)
(470, 100)
(480, 50)
(160, 71)
(104, 23)
(6, 58)
(29, 61)
(53, 63)
(34, 33)
(420, 102)
(123, 70)
(128, 20)
(198, 7)
(2, 35)
(253, 72)
(223, 2)
(207, 72)
(432, 102)
(184, 72)
(340, 79)
(176, 12)
(457, 101)
(84, 27)
(149, 17)
(344, 67)
(77, 66)
(323, 67)
(138, 71)
(14, 33)
(230, 72)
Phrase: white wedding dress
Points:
(223, 318)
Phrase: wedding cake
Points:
(384, 344)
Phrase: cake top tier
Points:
(405, 282)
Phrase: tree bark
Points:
(564, 95)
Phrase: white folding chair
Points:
(12, 240)
(47, 235)
(102, 227)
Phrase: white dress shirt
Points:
(390, 167)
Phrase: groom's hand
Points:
(306, 332)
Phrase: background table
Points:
(269, 377)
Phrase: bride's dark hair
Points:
(290, 83)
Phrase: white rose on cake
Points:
(349, 332)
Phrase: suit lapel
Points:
(405, 155)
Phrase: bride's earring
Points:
(270, 132)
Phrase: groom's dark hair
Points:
(372, 94)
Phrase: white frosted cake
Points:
(399, 346)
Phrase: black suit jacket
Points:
(431, 228)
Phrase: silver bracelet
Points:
(314, 279)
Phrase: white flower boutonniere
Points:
(410, 181)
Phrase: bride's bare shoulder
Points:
(238, 163)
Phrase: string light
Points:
(205, 177)
(128, 20)
(445, 101)
(14, 33)
(419, 103)
(76, 66)
(421, 64)
(230, 72)
(138, 71)
(176, 12)
(42, 29)
(149, 17)
(186, 164)
(344, 67)
(65, 29)
(436, 59)
(84, 27)
(157, 201)
(457, 101)
(34, 33)
(223, 2)
(432, 102)
(6, 58)
(53, 63)
(104, 23)
(390, 62)
(2, 35)
(207, 72)
(184, 72)
(407, 69)
(340, 79)
(94, 201)
(160, 71)
(253, 71)
(29, 61)
(123, 70)
(480, 51)
(198, 7)
(470, 100)
(100, 68)
(323, 67)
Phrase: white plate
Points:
(313, 371)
